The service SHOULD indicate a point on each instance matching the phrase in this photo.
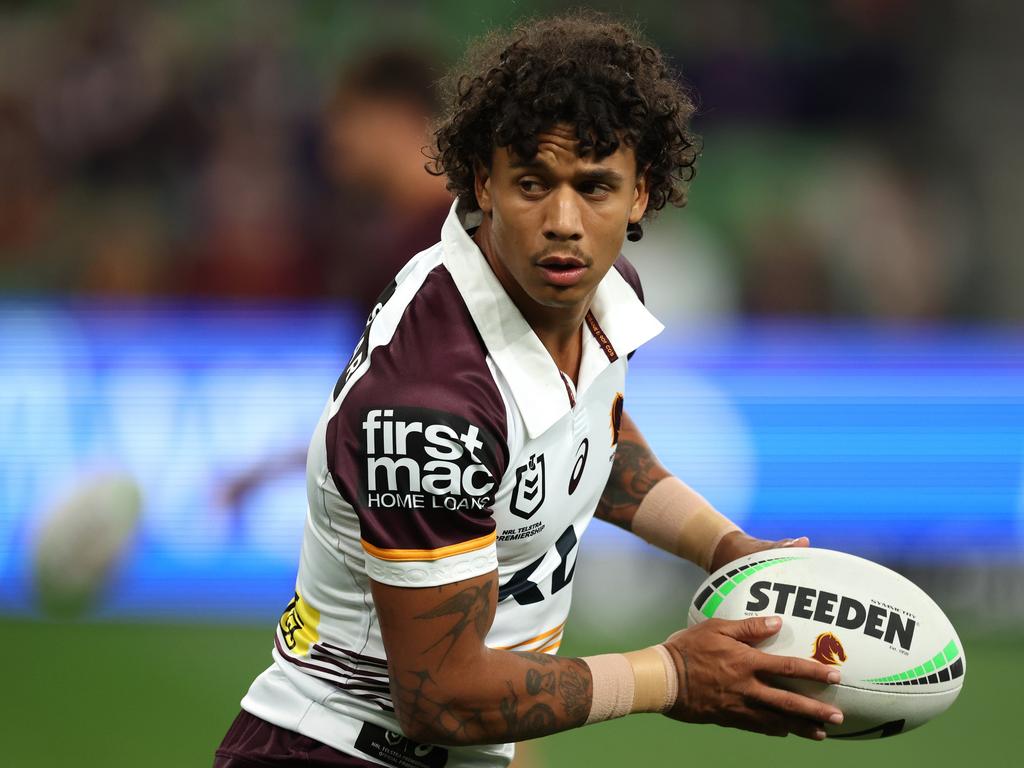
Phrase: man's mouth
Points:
(563, 271)
(560, 261)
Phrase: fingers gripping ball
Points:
(723, 680)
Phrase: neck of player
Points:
(558, 328)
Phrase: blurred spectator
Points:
(786, 272)
(25, 186)
(382, 208)
(248, 240)
(852, 236)
(128, 251)
(181, 149)
(883, 242)
(103, 80)
(78, 175)
(387, 207)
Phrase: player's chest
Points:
(554, 480)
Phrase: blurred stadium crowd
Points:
(858, 158)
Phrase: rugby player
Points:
(478, 428)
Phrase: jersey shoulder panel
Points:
(418, 442)
(435, 358)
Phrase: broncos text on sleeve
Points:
(452, 446)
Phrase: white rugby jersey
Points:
(452, 446)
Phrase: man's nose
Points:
(563, 221)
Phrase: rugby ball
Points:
(900, 659)
(81, 542)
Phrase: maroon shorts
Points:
(254, 743)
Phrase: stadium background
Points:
(190, 227)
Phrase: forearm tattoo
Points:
(525, 696)
(634, 472)
(539, 718)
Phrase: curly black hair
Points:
(583, 69)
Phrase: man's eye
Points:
(531, 186)
(595, 190)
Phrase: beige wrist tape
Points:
(676, 518)
(639, 681)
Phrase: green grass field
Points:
(158, 695)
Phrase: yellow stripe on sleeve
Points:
(402, 555)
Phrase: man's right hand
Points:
(722, 680)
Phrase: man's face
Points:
(558, 220)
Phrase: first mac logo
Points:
(418, 458)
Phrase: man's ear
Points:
(641, 195)
(482, 186)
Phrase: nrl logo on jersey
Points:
(419, 458)
(528, 495)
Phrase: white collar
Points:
(523, 360)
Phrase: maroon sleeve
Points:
(419, 444)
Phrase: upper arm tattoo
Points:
(471, 606)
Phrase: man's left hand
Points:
(737, 544)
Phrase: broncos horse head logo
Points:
(828, 649)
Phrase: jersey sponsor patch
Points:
(523, 532)
(299, 624)
(423, 459)
(392, 748)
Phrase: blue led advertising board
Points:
(903, 445)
